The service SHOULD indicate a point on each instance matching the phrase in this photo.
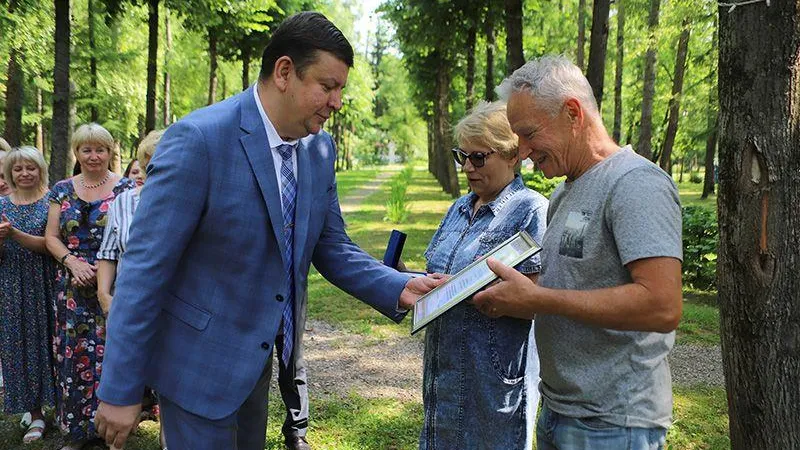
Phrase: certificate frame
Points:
(471, 279)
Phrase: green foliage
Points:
(700, 239)
(536, 180)
(397, 205)
(695, 178)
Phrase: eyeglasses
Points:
(478, 159)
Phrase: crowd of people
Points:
(170, 289)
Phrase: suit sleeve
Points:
(352, 269)
(171, 206)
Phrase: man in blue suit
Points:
(240, 200)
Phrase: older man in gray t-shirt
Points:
(608, 298)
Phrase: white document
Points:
(471, 279)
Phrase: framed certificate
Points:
(471, 278)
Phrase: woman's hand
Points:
(6, 229)
(105, 301)
(83, 273)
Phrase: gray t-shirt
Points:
(623, 209)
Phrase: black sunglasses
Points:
(478, 159)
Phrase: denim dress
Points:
(477, 380)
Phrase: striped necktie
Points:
(288, 197)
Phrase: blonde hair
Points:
(147, 147)
(486, 125)
(25, 153)
(4, 147)
(95, 134)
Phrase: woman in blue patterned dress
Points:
(26, 287)
(75, 225)
(481, 374)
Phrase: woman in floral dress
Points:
(75, 225)
(26, 291)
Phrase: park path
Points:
(340, 362)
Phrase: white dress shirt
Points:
(275, 141)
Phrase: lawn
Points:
(347, 421)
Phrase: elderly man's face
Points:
(544, 139)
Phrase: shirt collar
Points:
(274, 138)
(499, 202)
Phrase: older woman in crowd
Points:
(76, 221)
(477, 381)
(5, 189)
(26, 287)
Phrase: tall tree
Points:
(152, 65)
(90, 13)
(61, 94)
(618, 71)
(167, 108)
(675, 99)
(712, 123)
(14, 91)
(596, 70)
(581, 33)
(759, 229)
(488, 30)
(211, 35)
(644, 146)
(472, 36)
(514, 56)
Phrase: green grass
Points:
(700, 322)
(427, 206)
(348, 180)
(700, 419)
(690, 194)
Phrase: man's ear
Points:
(574, 111)
(282, 71)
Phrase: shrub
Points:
(695, 178)
(700, 240)
(397, 206)
(536, 181)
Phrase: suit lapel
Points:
(257, 149)
(304, 193)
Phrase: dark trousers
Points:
(294, 391)
(246, 428)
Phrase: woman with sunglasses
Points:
(480, 387)
(75, 224)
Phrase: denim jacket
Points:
(475, 386)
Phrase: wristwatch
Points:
(64, 258)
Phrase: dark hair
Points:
(128, 169)
(300, 37)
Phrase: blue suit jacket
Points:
(198, 305)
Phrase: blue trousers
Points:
(557, 432)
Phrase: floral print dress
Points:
(80, 332)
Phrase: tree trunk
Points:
(618, 72)
(431, 149)
(489, 94)
(596, 71)
(514, 56)
(245, 67)
(14, 99)
(39, 121)
(759, 228)
(94, 117)
(675, 99)
(212, 74)
(646, 122)
(60, 133)
(442, 130)
(581, 33)
(472, 35)
(72, 166)
(709, 178)
(167, 109)
(152, 66)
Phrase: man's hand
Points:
(514, 295)
(419, 286)
(114, 423)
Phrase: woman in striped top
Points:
(115, 238)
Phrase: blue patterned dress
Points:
(26, 312)
(80, 333)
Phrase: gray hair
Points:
(551, 80)
(25, 153)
